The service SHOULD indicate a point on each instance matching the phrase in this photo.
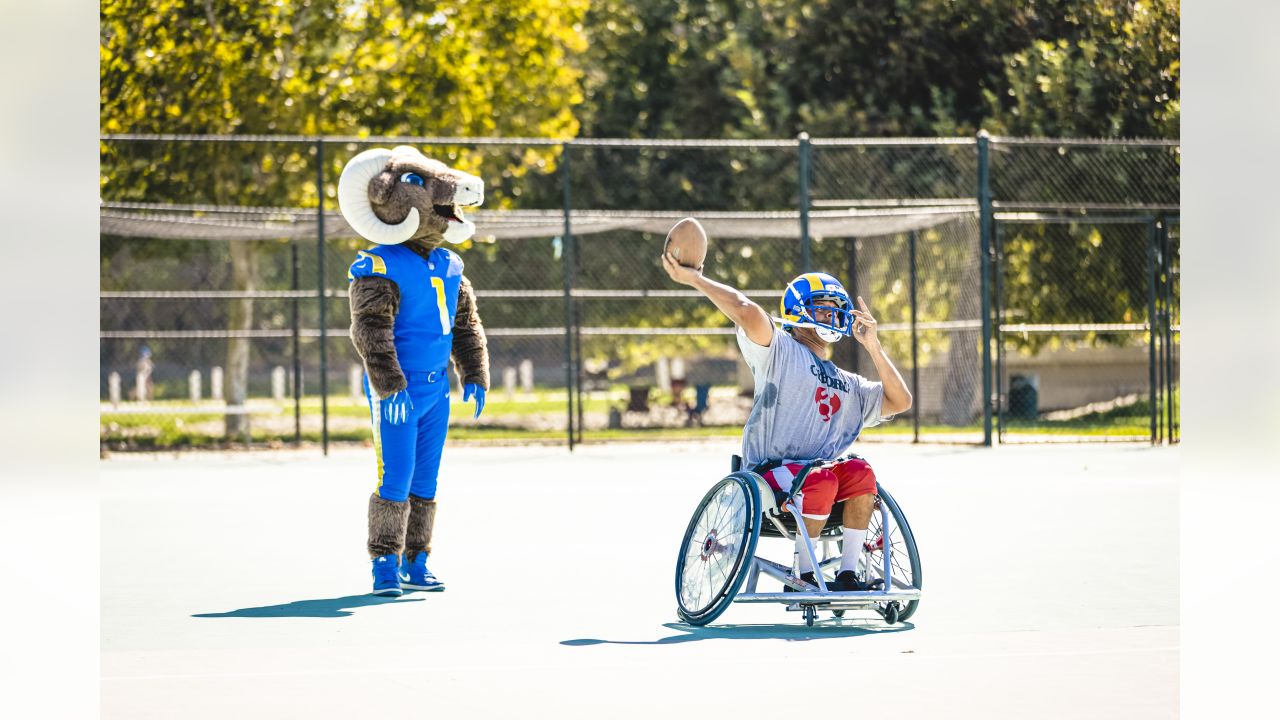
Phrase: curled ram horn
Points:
(353, 200)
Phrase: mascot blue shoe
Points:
(386, 580)
(414, 574)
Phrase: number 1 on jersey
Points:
(438, 284)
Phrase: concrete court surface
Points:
(234, 586)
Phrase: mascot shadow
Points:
(823, 630)
(320, 608)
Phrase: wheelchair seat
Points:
(771, 509)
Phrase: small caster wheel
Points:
(891, 613)
(810, 614)
(838, 613)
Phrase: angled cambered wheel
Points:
(904, 557)
(718, 548)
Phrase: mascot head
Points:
(392, 196)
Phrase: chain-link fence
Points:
(1081, 287)
(224, 311)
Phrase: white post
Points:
(113, 388)
(355, 375)
(140, 386)
(193, 386)
(677, 368)
(662, 371)
(215, 383)
(277, 383)
(509, 381)
(526, 375)
(745, 380)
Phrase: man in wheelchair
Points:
(806, 409)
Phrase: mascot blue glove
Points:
(478, 391)
(397, 408)
(413, 314)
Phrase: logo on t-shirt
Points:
(828, 403)
(831, 381)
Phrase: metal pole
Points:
(566, 252)
(985, 224)
(997, 251)
(915, 344)
(1168, 325)
(806, 260)
(851, 255)
(1151, 323)
(1162, 398)
(297, 351)
(324, 332)
(577, 351)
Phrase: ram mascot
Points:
(411, 310)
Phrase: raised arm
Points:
(897, 397)
(752, 318)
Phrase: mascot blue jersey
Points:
(428, 300)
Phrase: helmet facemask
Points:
(837, 327)
(814, 293)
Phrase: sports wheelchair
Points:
(718, 566)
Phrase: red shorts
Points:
(824, 487)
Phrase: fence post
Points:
(566, 255)
(324, 331)
(297, 347)
(1151, 326)
(986, 221)
(915, 344)
(1167, 342)
(806, 260)
(851, 284)
(997, 329)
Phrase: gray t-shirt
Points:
(805, 408)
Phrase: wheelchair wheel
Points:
(904, 558)
(717, 549)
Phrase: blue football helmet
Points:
(799, 301)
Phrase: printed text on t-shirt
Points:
(830, 381)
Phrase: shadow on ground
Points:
(823, 630)
(320, 608)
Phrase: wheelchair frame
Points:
(895, 601)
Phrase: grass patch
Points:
(274, 427)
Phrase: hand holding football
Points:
(687, 243)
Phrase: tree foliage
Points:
(774, 68)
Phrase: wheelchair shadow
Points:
(319, 608)
(822, 630)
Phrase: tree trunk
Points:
(244, 277)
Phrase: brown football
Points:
(687, 243)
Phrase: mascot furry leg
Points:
(412, 311)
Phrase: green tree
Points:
(1105, 68)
